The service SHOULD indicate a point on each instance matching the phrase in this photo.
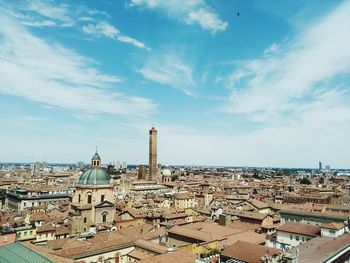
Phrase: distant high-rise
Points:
(37, 167)
(45, 165)
(153, 168)
(327, 168)
(320, 165)
(80, 165)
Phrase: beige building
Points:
(45, 233)
(141, 172)
(183, 201)
(93, 202)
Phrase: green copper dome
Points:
(94, 176)
(96, 157)
(166, 172)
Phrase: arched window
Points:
(104, 217)
(89, 198)
(85, 220)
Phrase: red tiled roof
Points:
(333, 225)
(303, 229)
(248, 252)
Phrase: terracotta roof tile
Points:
(320, 249)
(45, 228)
(248, 252)
(148, 245)
(333, 225)
(179, 256)
(297, 228)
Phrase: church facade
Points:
(93, 204)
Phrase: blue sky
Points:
(269, 87)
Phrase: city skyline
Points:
(267, 88)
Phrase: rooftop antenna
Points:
(96, 148)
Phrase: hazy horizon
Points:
(268, 87)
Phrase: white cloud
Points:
(274, 48)
(54, 75)
(280, 83)
(42, 23)
(301, 143)
(188, 12)
(170, 70)
(207, 20)
(298, 92)
(105, 29)
(39, 13)
(53, 11)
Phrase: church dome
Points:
(94, 176)
(166, 172)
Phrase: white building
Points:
(333, 229)
(292, 234)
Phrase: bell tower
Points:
(96, 160)
(153, 168)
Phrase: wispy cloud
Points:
(57, 13)
(105, 29)
(54, 75)
(188, 12)
(279, 83)
(298, 93)
(39, 13)
(169, 70)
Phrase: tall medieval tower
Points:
(153, 167)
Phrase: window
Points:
(25, 233)
(79, 198)
(31, 232)
(291, 237)
(102, 198)
(85, 220)
(104, 217)
(297, 238)
(303, 239)
(332, 231)
(89, 199)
